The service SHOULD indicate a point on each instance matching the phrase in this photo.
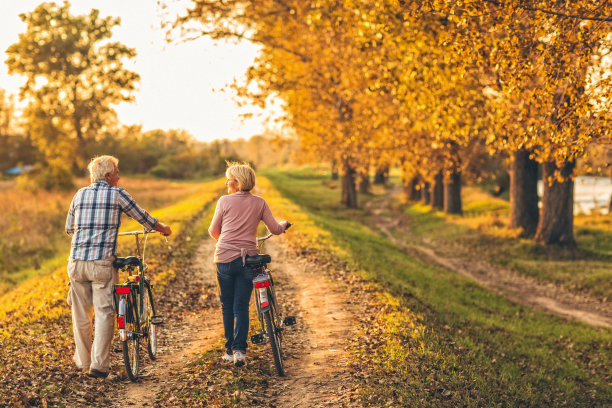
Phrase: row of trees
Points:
(169, 154)
(75, 75)
(434, 85)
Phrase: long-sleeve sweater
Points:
(235, 222)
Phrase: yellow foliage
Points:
(305, 235)
(45, 296)
(33, 222)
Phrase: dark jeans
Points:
(235, 285)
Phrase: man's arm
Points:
(70, 219)
(133, 210)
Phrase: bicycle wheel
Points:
(131, 345)
(151, 328)
(275, 341)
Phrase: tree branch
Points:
(554, 13)
(227, 34)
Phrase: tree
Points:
(74, 75)
(15, 145)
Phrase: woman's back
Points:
(235, 224)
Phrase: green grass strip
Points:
(450, 342)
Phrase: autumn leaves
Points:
(432, 86)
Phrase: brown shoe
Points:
(97, 374)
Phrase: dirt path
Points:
(518, 288)
(192, 308)
(317, 372)
(316, 365)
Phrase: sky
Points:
(180, 85)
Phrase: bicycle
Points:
(135, 307)
(268, 313)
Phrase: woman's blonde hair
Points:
(243, 173)
(100, 166)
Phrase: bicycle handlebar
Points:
(143, 232)
(260, 239)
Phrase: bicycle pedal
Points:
(257, 338)
(118, 350)
(157, 319)
(289, 321)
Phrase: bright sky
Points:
(178, 81)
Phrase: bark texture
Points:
(349, 188)
(556, 224)
(334, 170)
(452, 193)
(381, 176)
(426, 192)
(524, 211)
(364, 182)
(411, 189)
(437, 192)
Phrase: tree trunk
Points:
(437, 192)
(381, 175)
(411, 189)
(556, 224)
(349, 191)
(524, 212)
(334, 170)
(452, 193)
(426, 192)
(364, 182)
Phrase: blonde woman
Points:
(234, 226)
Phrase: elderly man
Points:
(93, 221)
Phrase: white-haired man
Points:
(93, 221)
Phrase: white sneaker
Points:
(239, 359)
(228, 358)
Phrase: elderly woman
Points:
(234, 226)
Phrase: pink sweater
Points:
(235, 222)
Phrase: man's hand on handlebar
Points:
(163, 229)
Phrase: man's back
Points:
(94, 219)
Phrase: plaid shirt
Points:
(94, 218)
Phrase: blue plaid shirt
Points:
(94, 218)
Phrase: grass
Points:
(484, 231)
(442, 340)
(33, 224)
(35, 323)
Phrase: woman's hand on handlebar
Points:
(287, 225)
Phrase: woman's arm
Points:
(215, 225)
(274, 227)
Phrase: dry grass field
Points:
(32, 223)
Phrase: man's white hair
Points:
(100, 166)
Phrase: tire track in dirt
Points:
(317, 372)
(512, 285)
(192, 323)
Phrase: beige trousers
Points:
(91, 291)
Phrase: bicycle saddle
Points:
(257, 259)
(123, 262)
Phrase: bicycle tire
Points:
(131, 346)
(275, 343)
(151, 328)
